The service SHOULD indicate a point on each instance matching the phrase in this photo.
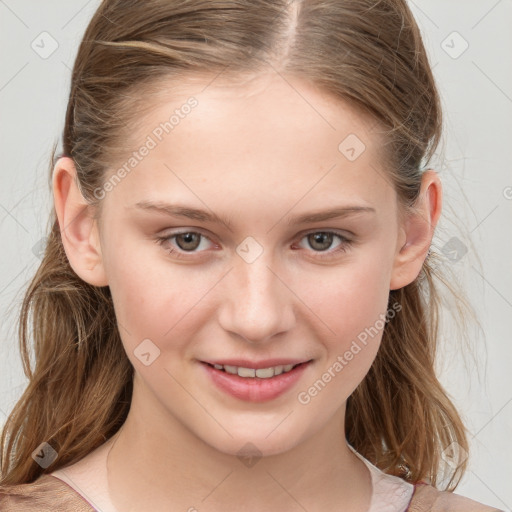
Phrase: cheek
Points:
(159, 300)
(350, 297)
(352, 302)
(148, 298)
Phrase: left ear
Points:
(417, 232)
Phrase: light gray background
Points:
(476, 89)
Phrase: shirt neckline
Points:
(389, 493)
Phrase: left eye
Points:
(189, 241)
(321, 241)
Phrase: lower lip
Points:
(254, 389)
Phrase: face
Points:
(264, 286)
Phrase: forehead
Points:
(272, 136)
(264, 91)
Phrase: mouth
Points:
(251, 384)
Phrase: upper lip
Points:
(266, 363)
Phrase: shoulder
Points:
(46, 494)
(427, 498)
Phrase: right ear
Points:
(78, 229)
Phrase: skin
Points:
(257, 154)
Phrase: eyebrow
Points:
(177, 210)
(333, 213)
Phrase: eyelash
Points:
(342, 248)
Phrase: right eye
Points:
(186, 242)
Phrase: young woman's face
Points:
(266, 287)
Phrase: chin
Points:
(252, 447)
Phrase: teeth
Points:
(247, 372)
(231, 369)
(262, 373)
(278, 369)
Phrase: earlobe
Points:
(418, 231)
(79, 230)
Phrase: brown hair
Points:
(366, 52)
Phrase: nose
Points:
(255, 302)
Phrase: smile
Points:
(255, 384)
